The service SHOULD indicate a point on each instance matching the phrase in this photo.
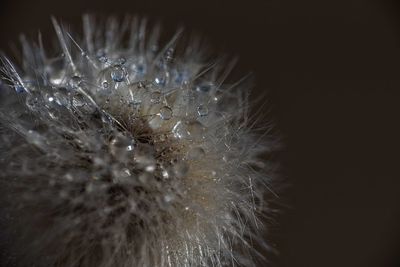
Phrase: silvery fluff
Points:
(115, 151)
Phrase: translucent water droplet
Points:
(121, 60)
(61, 96)
(19, 89)
(35, 138)
(165, 173)
(34, 101)
(180, 130)
(145, 177)
(75, 82)
(196, 153)
(204, 88)
(121, 147)
(169, 54)
(195, 130)
(202, 110)
(169, 198)
(101, 56)
(161, 81)
(166, 113)
(118, 74)
(139, 69)
(78, 100)
(155, 97)
(181, 169)
(144, 157)
(105, 84)
(181, 77)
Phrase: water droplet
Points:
(204, 88)
(101, 56)
(139, 69)
(145, 177)
(195, 130)
(61, 96)
(103, 59)
(118, 74)
(180, 130)
(202, 110)
(75, 82)
(166, 113)
(161, 81)
(105, 84)
(181, 169)
(169, 198)
(155, 97)
(169, 54)
(34, 101)
(165, 173)
(121, 60)
(196, 153)
(144, 157)
(78, 100)
(181, 77)
(121, 147)
(35, 138)
(19, 89)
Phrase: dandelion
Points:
(120, 152)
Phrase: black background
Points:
(332, 70)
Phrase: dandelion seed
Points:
(127, 154)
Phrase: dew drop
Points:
(166, 113)
(101, 56)
(118, 74)
(195, 130)
(179, 130)
(34, 101)
(155, 97)
(61, 96)
(181, 169)
(202, 110)
(105, 84)
(204, 88)
(121, 147)
(145, 177)
(35, 138)
(161, 81)
(196, 153)
(19, 89)
(144, 157)
(139, 69)
(121, 60)
(169, 198)
(75, 82)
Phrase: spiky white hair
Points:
(119, 153)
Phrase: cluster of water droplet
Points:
(127, 148)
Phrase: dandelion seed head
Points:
(122, 152)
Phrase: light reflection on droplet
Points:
(118, 73)
(202, 110)
(166, 113)
(75, 82)
(196, 153)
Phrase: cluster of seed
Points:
(119, 153)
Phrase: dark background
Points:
(332, 70)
